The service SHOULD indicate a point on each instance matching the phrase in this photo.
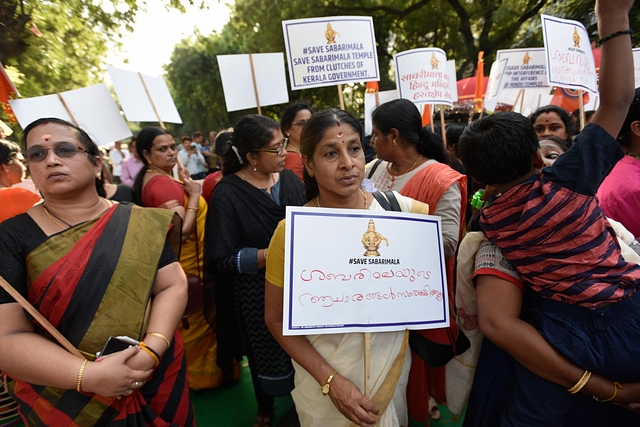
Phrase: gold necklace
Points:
(633, 155)
(51, 215)
(364, 195)
(405, 172)
(161, 172)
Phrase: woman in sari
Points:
(157, 188)
(13, 200)
(94, 269)
(292, 121)
(332, 364)
(414, 163)
(245, 208)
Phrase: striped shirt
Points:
(552, 230)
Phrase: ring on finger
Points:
(135, 386)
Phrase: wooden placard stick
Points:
(26, 305)
(581, 104)
(151, 101)
(442, 125)
(341, 96)
(255, 85)
(377, 99)
(367, 364)
(520, 94)
(66, 107)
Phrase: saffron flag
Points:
(479, 95)
(569, 99)
(372, 87)
(7, 91)
(426, 115)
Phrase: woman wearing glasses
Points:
(245, 209)
(94, 269)
(293, 119)
(157, 188)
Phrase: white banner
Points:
(636, 65)
(138, 102)
(330, 50)
(93, 108)
(238, 83)
(570, 62)
(422, 76)
(496, 77)
(373, 101)
(352, 270)
(525, 68)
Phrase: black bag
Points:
(436, 347)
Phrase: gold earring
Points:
(394, 141)
(310, 174)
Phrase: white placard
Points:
(570, 61)
(422, 76)
(525, 69)
(330, 50)
(134, 99)
(371, 102)
(496, 77)
(237, 80)
(333, 285)
(636, 65)
(453, 79)
(93, 108)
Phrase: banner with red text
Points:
(423, 76)
(352, 270)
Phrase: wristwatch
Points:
(476, 200)
(326, 387)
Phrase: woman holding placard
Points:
(330, 368)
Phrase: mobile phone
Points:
(115, 344)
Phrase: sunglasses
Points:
(277, 151)
(65, 149)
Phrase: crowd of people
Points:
(180, 246)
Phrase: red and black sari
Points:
(91, 282)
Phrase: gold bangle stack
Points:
(616, 386)
(81, 372)
(192, 209)
(159, 335)
(581, 383)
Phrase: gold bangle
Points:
(581, 383)
(150, 352)
(616, 386)
(327, 386)
(80, 373)
(192, 209)
(159, 335)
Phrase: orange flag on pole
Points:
(426, 115)
(372, 87)
(479, 95)
(7, 91)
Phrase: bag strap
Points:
(40, 318)
(373, 168)
(387, 200)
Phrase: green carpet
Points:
(234, 406)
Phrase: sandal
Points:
(263, 420)
(434, 411)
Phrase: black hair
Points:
(498, 148)
(8, 151)
(562, 113)
(453, 132)
(561, 142)
(222, 142)
(312, 134)
(251, 133)
(289, 114)
(403, 115)
(197, 134)
(624, 137)
(144, 142)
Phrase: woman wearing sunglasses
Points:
(245, 209)
(157, 188)
(94, 269)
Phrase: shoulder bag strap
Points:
(387, 200)
(40, 318)
(382, 200)
(373, 168)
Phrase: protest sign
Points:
(422, 76)
(570, 62)
(496, 77)
(371, 102)
(331, 50)
(379, 271)
(143, 98)
(636, 65)
(91, 108)
(525, 68)
(253, 80)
